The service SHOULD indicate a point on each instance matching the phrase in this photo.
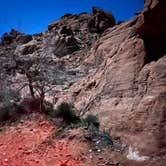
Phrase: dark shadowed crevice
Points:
(155, 49)
(153, 32)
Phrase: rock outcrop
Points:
(15, 36)
(100, 21)
(97, 21)
(117, 73)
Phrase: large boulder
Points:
(23, 39)
(101, 20)
(28, 48)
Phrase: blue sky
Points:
(33, 16)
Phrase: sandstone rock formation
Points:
(15, 36)
(119, 74)
(97, 21)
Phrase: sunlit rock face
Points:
(114, 71)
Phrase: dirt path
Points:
(28, 144)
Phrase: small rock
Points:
(20, 148)
(42, 123)
(27, 152)
(90, 150)
(90, 157)
(72, 137)
(6, 160)
(98, 150)
(21, 121)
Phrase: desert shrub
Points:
(30, 105)
(3, 115)
(67, 112)
(99, 138)
(92, 132)
(92, 120)
(8, 112)
(8, 106)
(9, 96)
(49, 109)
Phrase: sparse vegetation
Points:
(9, 112)
(67, 112)
(67, 115)
(8, 105)
(48, 109)
(99, 138)
(91, 120)
(104, 139)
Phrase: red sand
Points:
(28, 144)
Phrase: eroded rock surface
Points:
(119, 74)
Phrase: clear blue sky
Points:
(33, 16)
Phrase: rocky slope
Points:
(114, 71)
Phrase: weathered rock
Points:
(15, 36)
(150, 4)
(25, 49)
(129, 92)
(101, 20)
(23, 39)
(119, 75)
(6, 38)
(95, 22)
(66, 31)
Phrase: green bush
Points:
(67, 112)
(92, 120)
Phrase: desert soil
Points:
(29, 143)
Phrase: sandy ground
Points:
(28, 143)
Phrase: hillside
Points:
(115, 71)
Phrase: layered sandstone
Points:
(117, 73)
